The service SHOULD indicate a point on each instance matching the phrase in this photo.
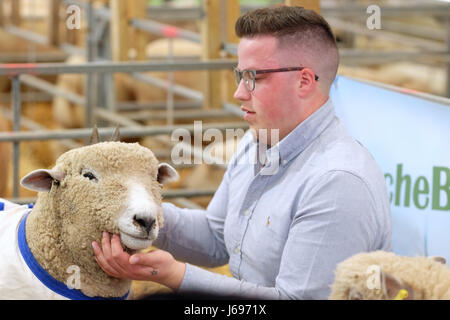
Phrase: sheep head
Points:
(106, 186)
(365, 276)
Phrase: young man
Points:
(284, 223)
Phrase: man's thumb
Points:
(134, 259)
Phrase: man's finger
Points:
(119, 255)
(100, 258)
(150, 259)
(109, 257)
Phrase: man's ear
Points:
(306, 82)
(41, 180)
(391, 287)
(166, 173)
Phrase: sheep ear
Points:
(41, 180)
(391, 287)
(354, 294)
(94, 136)
(438, 259)
(116, 135)
(166, 173)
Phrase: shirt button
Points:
(246, 212)
(284, 162)
(236, 250)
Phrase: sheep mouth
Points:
(135, 242)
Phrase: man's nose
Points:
(241, 92)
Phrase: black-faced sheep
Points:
(108, 186)
(382, 275)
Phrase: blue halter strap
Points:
(45, 277)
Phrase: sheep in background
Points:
(206, 176)
(382, 275)
(69, 115)
(108, 186)
(407, 75)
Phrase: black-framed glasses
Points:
(249, 76)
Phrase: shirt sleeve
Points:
(331, 223)
(336, 220)
(197, 236)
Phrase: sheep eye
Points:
(89, 175)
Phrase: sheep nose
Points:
(144, 222)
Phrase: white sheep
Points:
(383, 275)
(108, 186)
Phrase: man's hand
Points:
(158, 266)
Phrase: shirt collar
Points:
(302, 136)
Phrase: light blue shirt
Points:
(283, 229)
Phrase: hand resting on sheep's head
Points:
(106, 186)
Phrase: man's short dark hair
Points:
(281, 21)
(294, 26)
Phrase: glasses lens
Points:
(237, 76)
(249, 79)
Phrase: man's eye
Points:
(89, 175)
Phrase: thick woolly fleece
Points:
(76, 211)
(428, 279)
(17, 280)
